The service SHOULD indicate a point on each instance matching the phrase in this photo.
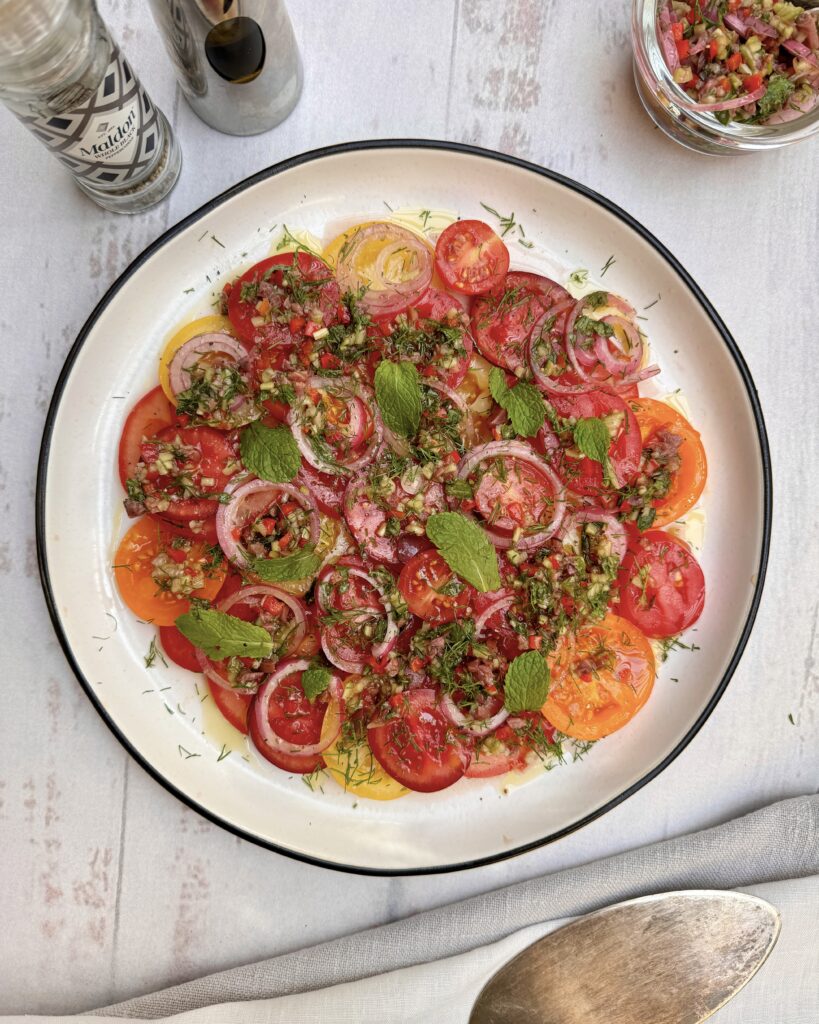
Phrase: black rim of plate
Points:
(452, 147)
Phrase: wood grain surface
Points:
(110, 886)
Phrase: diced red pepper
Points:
(296, 324)
(713, 49)
(177, 554)
(535, 642)
(733, 61)
(272, 605)
(683, 49)
(752, 82)
(328, 361)
(691, 17)
(677, 30)
(695, 81)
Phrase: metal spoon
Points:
(669, 959)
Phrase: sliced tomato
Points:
(509, 747)
(233, 705)
(513, 493)
(147, 564)
(326, 489)
(195, 529)
(585, 476)
(655, 420)
(178, 648)
(414, 743)
(262, 293)
(448, 362)
(202, 455)
(662, 587)
(350, 761)
(503, 321)
(366, 516)
(295, 719)
(148, 417)
(601, 676)
(471, 258)
(432, 590)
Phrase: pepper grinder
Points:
(237, 61)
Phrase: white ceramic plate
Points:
(113, 362)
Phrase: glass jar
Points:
(673, 111)
(66, 80)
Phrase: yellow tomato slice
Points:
(366, 254)
(601, 676)
(352, 765)
(204, 325)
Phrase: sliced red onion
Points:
(614, 528)
(737, 23)
(457, 400)
(760, 27)
(381, 649)
(620, 373)
(476, 726)
(672, 58)
(553, 385)
(501, 605)
(800, 50)
(382, 296)
(192, 351)
(260, 710)
(630, 362)
(250, 500)
(733, 104)
(258, 594)
(362, 402)
(809, 24)
(521, 451)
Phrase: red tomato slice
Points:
(414, 743)
(151, 413)
(265, 284)
(421, 583)
(502, 322)
(471, 258)
(326, 489)
(520, 495)
(515, 747)
(295, 719)
(662, 587)
(205, 453)
(585, 476)
(233, 705)
(178, 648)
(366, 517)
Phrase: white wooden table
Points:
(112, 887)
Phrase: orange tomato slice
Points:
(146, 588)
(688, 482)
(204, 325)
(601, 676)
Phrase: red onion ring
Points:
(384, 297)
(602, 348)
(476, 726)
(203, 344)
(760, 27)
(259, 591)
(260, 710)
(616, 531)
(551, 384)
(228, 517)
(366, 404)
(626, 373)
(381, 649)
(521, 451)
(500, 605)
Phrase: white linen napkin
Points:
(406, 972)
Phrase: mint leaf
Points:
(527, 683)
(523, 402)
(398, 393)
(224, 636)
(297, 566)
(270, 453)
(314, 681)
(465, 548)
(592, 437)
